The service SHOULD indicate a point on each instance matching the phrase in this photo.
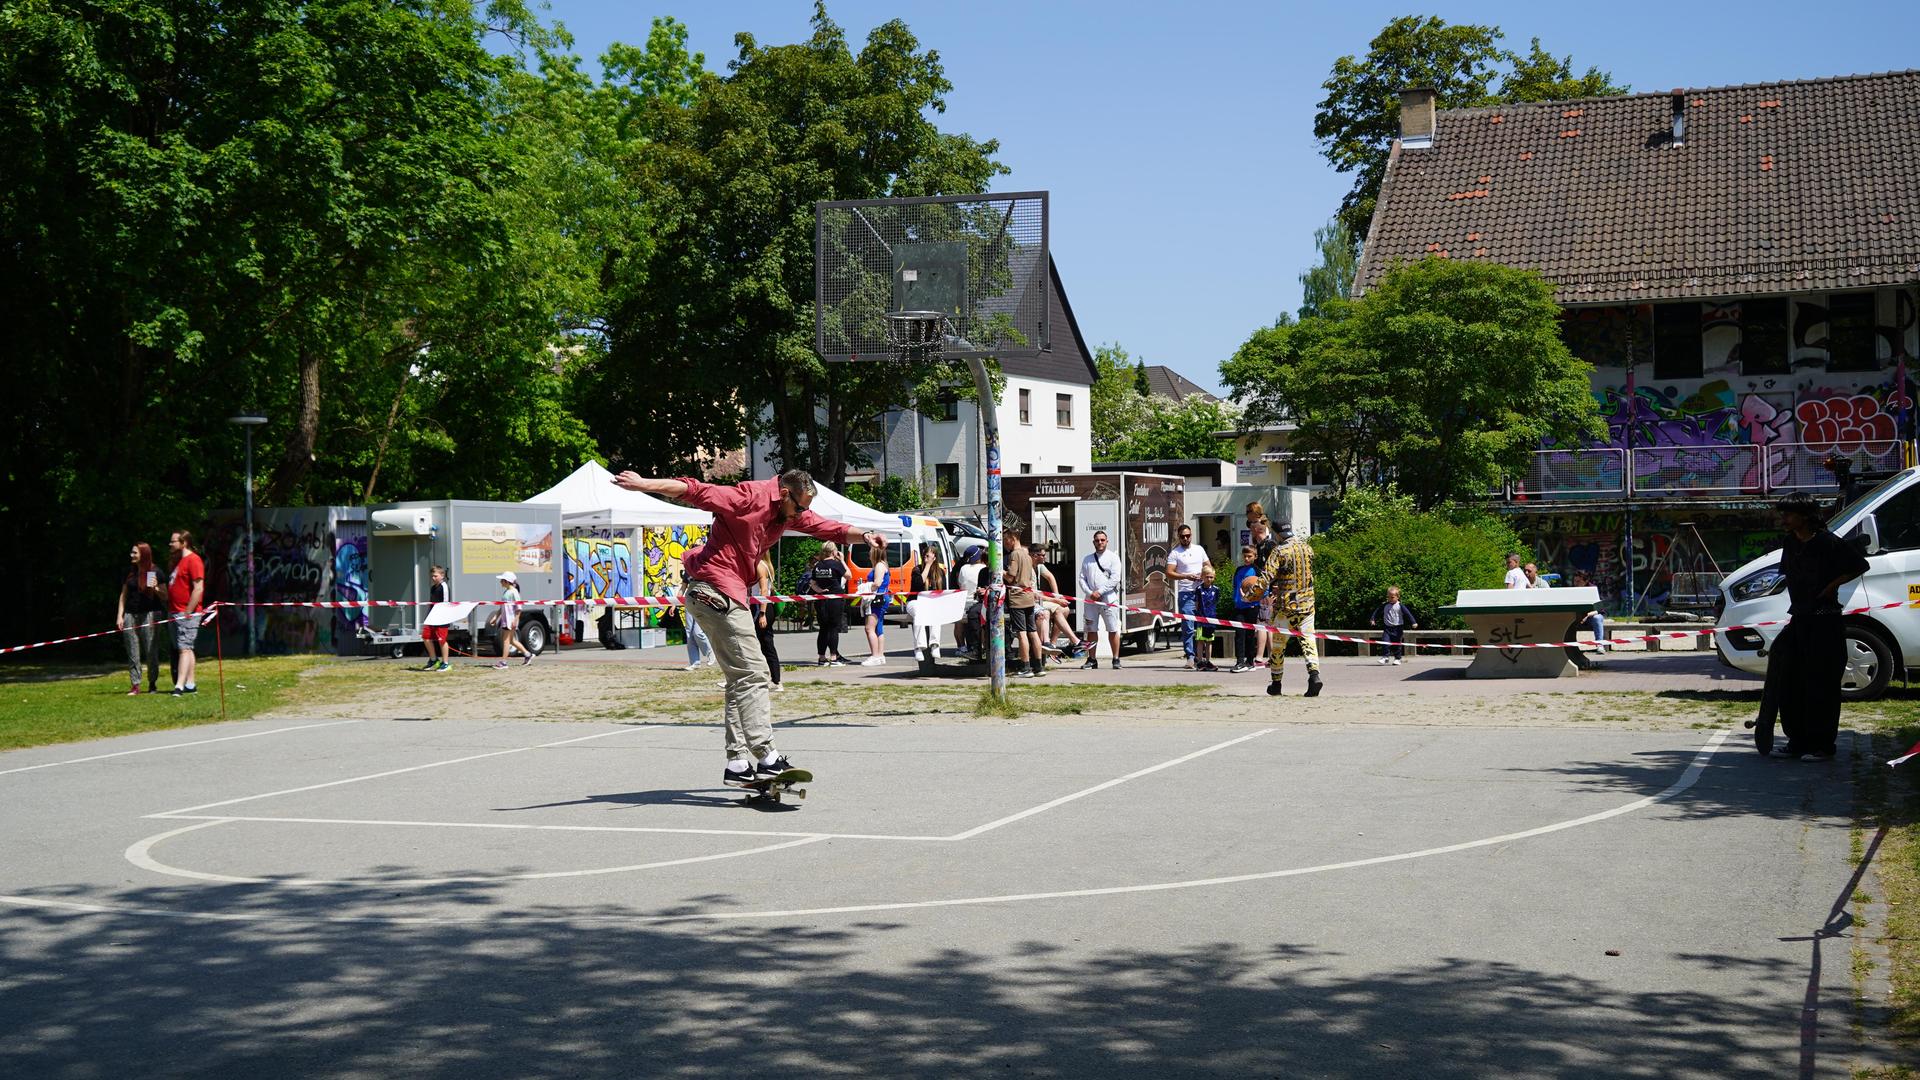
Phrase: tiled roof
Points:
(1069, 361)
(1778, 187)
(1168, 383)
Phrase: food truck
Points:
(1058, 513)
(475, 541)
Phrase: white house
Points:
(1045, 414)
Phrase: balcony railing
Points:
(1711, 470)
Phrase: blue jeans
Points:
(1598, 624)
(1188, 604)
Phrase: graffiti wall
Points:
(1800, 402)
(664, 548)
(299, 554)
(1695, 544)
(599, 563)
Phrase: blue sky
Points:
(1177, 140)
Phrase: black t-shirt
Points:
(917, 581)
(1811, 565)
(827, 576)
(142, 600)
(439, 593)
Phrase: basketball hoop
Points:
(914, 335)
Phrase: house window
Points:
(1677, 353)
(1763, 337)
(1850, 336)
(1063, 410)
(946, 481)
(1025, 466)
(946, 409)
(1066, 468)
(1026, 406)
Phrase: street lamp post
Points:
(248, 422)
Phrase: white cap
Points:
(509, 577)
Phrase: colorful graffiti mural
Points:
(599, 563)
(1664, 544)
(299, 554)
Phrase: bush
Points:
(1430, 556)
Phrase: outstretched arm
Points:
(633, 481)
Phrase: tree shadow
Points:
(583, 992)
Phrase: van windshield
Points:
(1849, 515)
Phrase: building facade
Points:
(1740, 265)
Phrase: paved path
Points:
(463, 899)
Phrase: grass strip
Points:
(42, 704)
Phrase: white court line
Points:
(551, 828)
(397, 772)
(1687, 779)
(140, 855)
(176, 746)
(1011, 818)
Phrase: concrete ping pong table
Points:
(1509, 617)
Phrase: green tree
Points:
(1115, 402)
(1332, 278)
(1441, 378)
(1430, 556)
(292, 207)
(1359, 118)
(1177, 430)
(709, 334)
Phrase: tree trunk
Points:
(298, 459)
(380, 454)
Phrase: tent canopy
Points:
(589, 497)
(834, 506)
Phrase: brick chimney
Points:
(1416, 117)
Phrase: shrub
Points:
(1430, 556)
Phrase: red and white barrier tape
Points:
(206, 616)
(676, 601)
(1670, 635)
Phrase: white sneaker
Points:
(1397, 660)
(918, 656)
(779, 688)
(1386, 660)
(691, 667)
(873, 661)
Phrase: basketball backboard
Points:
(978, 260)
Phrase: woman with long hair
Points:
(928, 577)
(878, 601)
(142, 604)
(763, 618)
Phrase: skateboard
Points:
(771, 788)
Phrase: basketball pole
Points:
(997, 593)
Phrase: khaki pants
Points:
(1302, 623)
(736, 646)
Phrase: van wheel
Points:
(397, 652)
(533, 635)
(1869, 665)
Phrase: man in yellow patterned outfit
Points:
(1287, 575)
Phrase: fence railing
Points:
(1713, 469)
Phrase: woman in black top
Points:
(828, 574)
(142, 604)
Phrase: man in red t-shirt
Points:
(185, 589)
(747, 519)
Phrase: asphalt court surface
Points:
(1026, 898)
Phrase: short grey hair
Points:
(796, 481)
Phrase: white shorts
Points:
(1097, 617)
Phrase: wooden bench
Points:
(1521, 617)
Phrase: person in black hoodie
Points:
(1394, 619)
(1807, 660)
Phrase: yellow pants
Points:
(1302, 624)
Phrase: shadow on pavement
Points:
(122, 996)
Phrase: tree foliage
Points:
(710, 332)
(1430, 556)
(1359, 118)
(1130, 424)
(1441, 378)
(1331, 278)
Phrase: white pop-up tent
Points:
(589, 497)
(834, 506)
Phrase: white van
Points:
(1882, 643)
